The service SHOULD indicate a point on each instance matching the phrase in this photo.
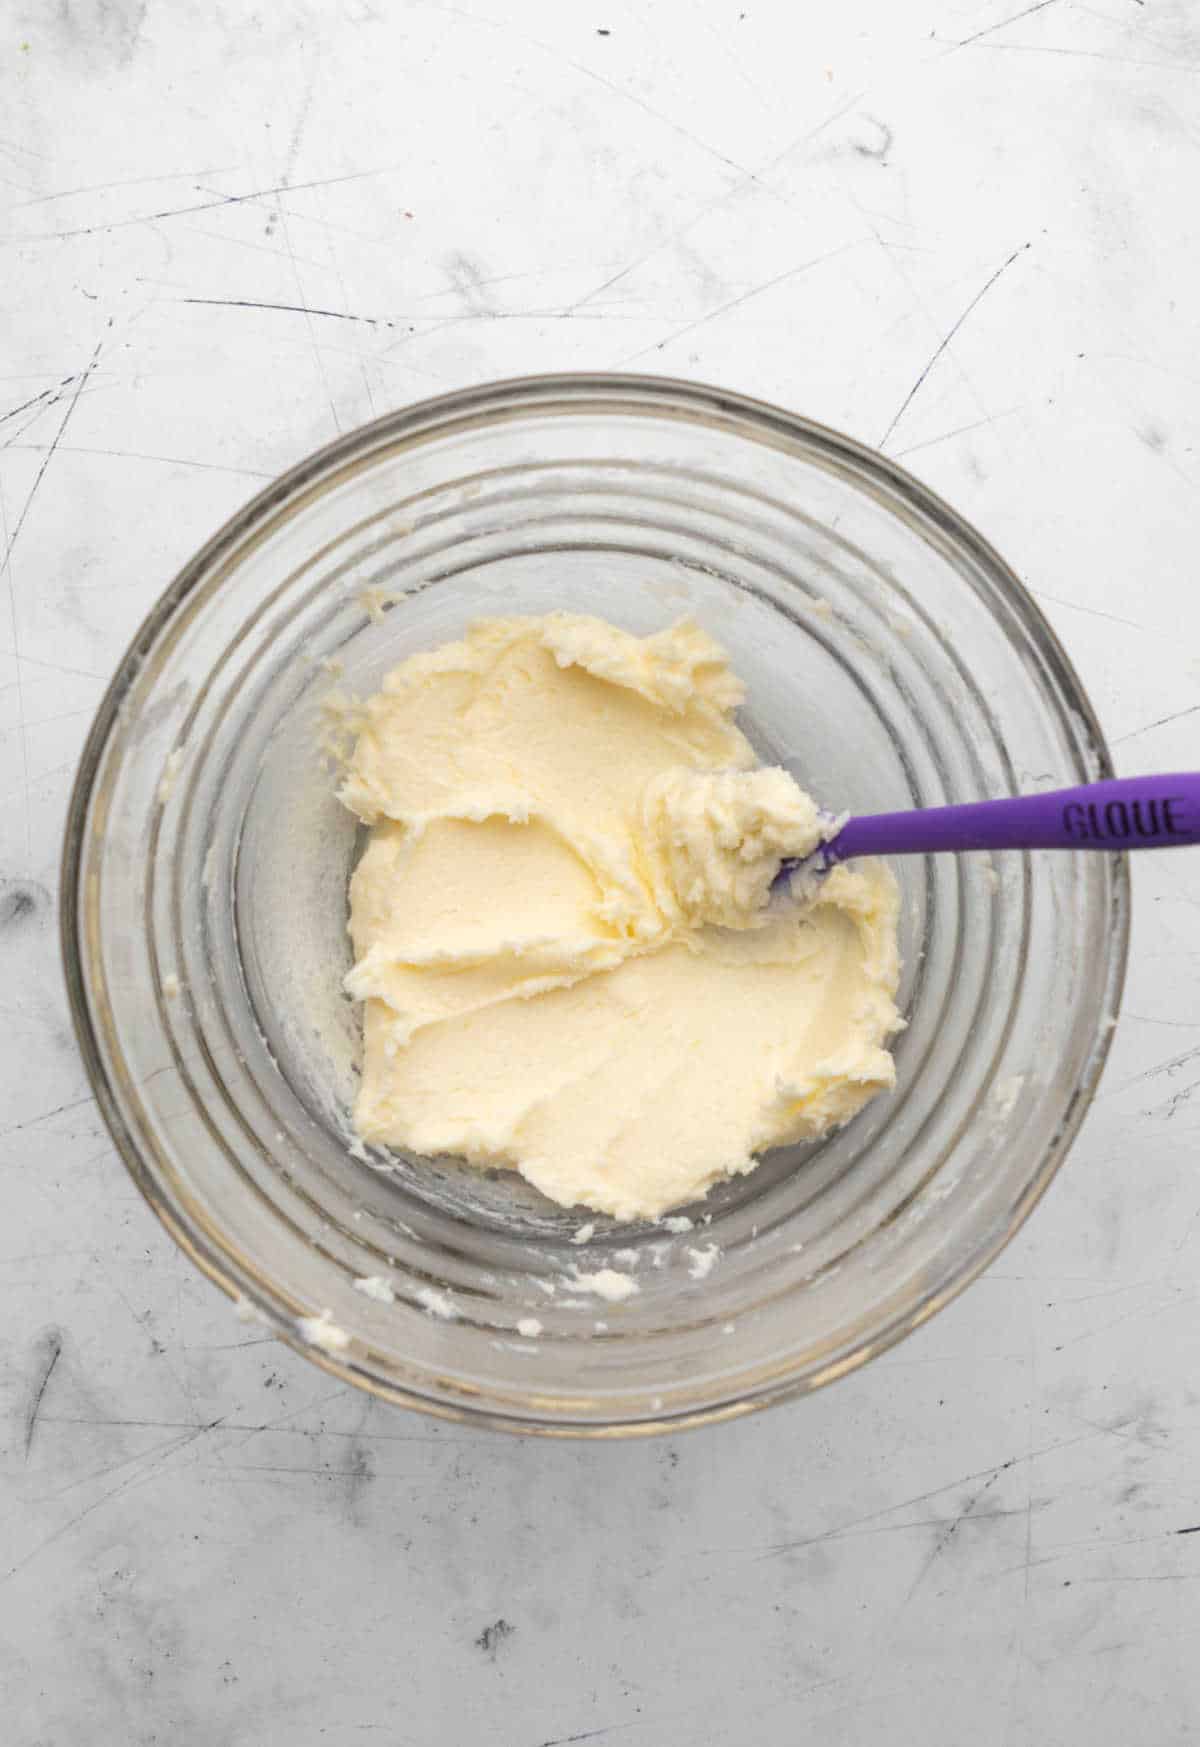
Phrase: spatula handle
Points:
(1134, 812)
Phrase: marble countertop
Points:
(962, 230)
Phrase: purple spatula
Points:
(1134, 812)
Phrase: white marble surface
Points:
(960, 228)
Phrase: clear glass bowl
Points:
(891, 660)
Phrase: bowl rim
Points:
(426, 418)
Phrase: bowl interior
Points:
(890, 662)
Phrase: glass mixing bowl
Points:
(891, 660)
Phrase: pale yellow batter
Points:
(560, 925)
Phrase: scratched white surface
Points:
(965, 230)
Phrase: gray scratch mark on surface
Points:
(106, 1472)
(308, 319)
(311, 1470)
(133, 455)
(59, 1109)
(736, 302)
(47, 394)
(974, 303)
(873, 1530)
(127, 182)
(675, 126)
(451, 289)
(228, 241)
(15, 637)
(620, 91)
(31, 1258)
(80, 673)
(41, 472)
(1176, 716)
(84, 1164)
(50, 1346)
(732, 59)
(287, 308)
(950, 1530)
(959, 430)
(1125, 1432)
(491, 315)
(43, 777)
(1153, 1577)
(1093, 1297)
(160, 1453)
(841, 1529)
(301, 121)
(335, 257)
(811, 133)
(120, 1422)
(1092, 612)
(36, 414)
(674, 236)
(617, 91)
(588, 1734)
(1092, 1543)
(1171, 1065)
(413, 316)
(292, 1413)
(144, 1324)
(1175, 1102)
(200, 206)
(914, 289)
(1030, 48)
(1154, 1310)
(1172, 370)
(233, 1346)
(1001, 24)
